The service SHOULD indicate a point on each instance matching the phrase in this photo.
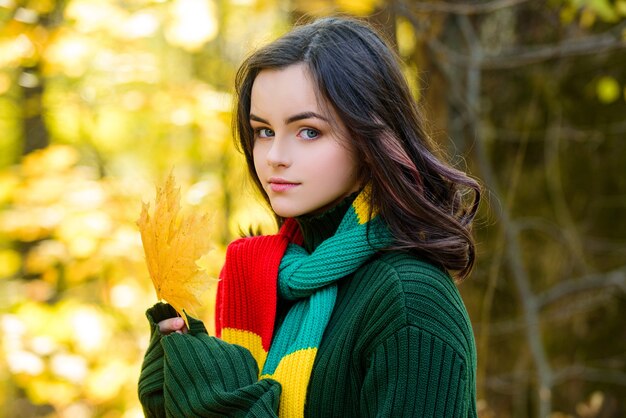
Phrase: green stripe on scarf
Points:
(311, 278)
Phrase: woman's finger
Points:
(167, 326)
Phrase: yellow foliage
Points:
(587, 18)
(8, 184)
(45, 388)
(608, 89)
(105, 382)
(10, 263)
(5, 83)
(358, 7)
(172, 245)
(407, 39)
(55, 158)
(193, 23)
(123, 102)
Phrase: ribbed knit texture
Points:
(398, 343)
(194, 375)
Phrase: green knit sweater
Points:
(399, 344)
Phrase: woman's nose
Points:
(278, 153)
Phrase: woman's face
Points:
(298, 155)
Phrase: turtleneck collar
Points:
(319, 227)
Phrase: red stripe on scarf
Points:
(247, 292)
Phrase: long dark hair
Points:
(424, 201)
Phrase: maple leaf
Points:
(173, 243)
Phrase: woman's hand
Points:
(177, 324)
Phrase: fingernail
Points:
(178, 323)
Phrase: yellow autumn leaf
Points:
(173, 243)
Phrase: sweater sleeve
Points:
(415, 374)
(195, 375)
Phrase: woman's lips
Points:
(281, 185)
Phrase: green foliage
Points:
(589, 11)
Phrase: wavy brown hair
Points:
(427, 204)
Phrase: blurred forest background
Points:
(100, 99)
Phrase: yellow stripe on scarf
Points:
(249, 340)
(293, 373)
(361, 205)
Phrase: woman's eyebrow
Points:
(258, 119)
(291, 119)
(304, 115)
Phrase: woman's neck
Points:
(319, 227)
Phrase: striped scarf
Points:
(260, 269)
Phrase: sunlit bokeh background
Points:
(101, 99)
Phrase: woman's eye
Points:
(309, 133)
(264, 133)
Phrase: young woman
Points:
(350, 310)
